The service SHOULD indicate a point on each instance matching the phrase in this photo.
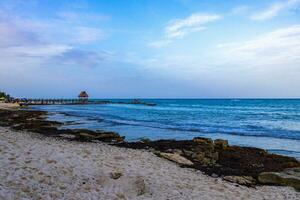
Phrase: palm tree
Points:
(2, 94)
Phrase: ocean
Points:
(272, 124)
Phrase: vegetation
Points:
(4, 96)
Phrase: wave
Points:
(248, 130)
(259, 118)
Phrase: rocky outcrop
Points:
(289, 177)
(86, 135)
(204, 152)
(251, 161)
(175, 157)
(241, 165)
(220, 144)
(36, 121)
(241, 180)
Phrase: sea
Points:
(271, 124)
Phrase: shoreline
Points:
(276, 134)
(34, 166)
(268, 143)
(221, 167)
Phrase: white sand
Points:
(9, 105)
(32, 167)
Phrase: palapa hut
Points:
(83, 96)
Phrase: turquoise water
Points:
(266, 123)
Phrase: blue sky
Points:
(150, 48)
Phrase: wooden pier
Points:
(83, 98)
(28, 102)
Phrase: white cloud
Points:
(38, 39)
(273, 55)
(274, 9)
(82, 58)
(278, 48)
(70, 28)
(195, 22)
(88, 34)
(44, 51)
(11, 34)
(80, 16)
(20, 40)
(181, 27)
(67, 32)
(267, 65)
(239, 10)
(160, 43)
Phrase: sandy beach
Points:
(37, 167)
(149, 100)
(9, 105)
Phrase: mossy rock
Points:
(289, 177)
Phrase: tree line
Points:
(3, 95)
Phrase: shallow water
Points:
(271, 124)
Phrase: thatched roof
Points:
(83, 94)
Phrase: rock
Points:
(120, 196)
(86, 136)
(187, 153)
(145, 140)
(176, 151)
(109, 136)
(202, 159)
(249, 161)
(115, 175)
(214, 175)
(199, 156)
(215, 156)
(204, 152)
(49, 161)
(205, 145)
(289, 177)
(201, 140)
(102, 136)
(220, 144)
(176, 158)
(140, 186)
(241, 180)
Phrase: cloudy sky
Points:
(150, 48)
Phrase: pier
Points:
(30, 102)
(83, 98)
(27, 102)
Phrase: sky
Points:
(150, 48)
